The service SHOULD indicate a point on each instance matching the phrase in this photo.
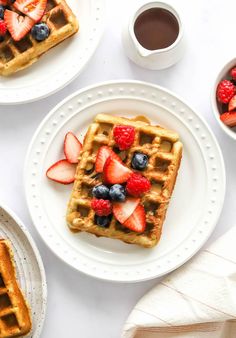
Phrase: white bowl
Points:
(221, 75)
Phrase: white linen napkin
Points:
(196, 301)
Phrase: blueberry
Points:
(103, 221)
(2, 9)
(139, 161)
(40, 31)
(117, 193)
(101, 191)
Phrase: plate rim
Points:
(164, 90)
(39, 260)
(35, 98)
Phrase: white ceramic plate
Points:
(194, 208)
(61, 64)
(29, 267)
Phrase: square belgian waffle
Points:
(17, 55)
(14, 314)
(164, 151)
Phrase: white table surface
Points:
(80, 306)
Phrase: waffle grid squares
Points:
(16, 55)
(14, 316)
(164, 151)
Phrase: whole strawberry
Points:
(124, 136)
(225, 91)
(101, 207)
(137, 185)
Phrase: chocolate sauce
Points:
(156, 28)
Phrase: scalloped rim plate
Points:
(195, 205)
(29, 267)
(60, 65)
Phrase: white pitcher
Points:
(158, 58)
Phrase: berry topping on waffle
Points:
(124, 136)
(101, 207)
(115, 171)
(137, 221)
(101, 191)
(3, 28)
(17, 25)
(103, 153)
(34, 9)
(117, 193)
(137, 185)
(40, 31)
(3, 2)
(109, 197)
(122, 211)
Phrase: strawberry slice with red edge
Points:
(123, 210)
(137, 221)
(232, 103)
(229, 118)
(34, 9)
(102, 155)
(3, 2)
(62, 172)
(115, 171)
(72, 147)
(17, 25)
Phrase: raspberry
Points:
(233, 73)
(3, 28)
(137, 185)
(101, 207)
(225, 91)
(124, 136)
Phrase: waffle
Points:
(17, 55)
(164, 151)
(14, 314)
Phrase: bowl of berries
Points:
(224, 98)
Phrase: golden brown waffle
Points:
(164, 151)
(17, 55)
(14, 314)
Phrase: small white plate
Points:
(194, 209)
(29, 267)
(60, 65)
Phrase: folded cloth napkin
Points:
(196, 301)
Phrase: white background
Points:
(79, 306)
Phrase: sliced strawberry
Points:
(62, 172)
(115, 171)
(72, 147)
(229, 118)
(34, 9)
(17, 25)
(123, 210)
(3, 2)
(102, 155)
(137, 221)
(232, 103)
(3, 28)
